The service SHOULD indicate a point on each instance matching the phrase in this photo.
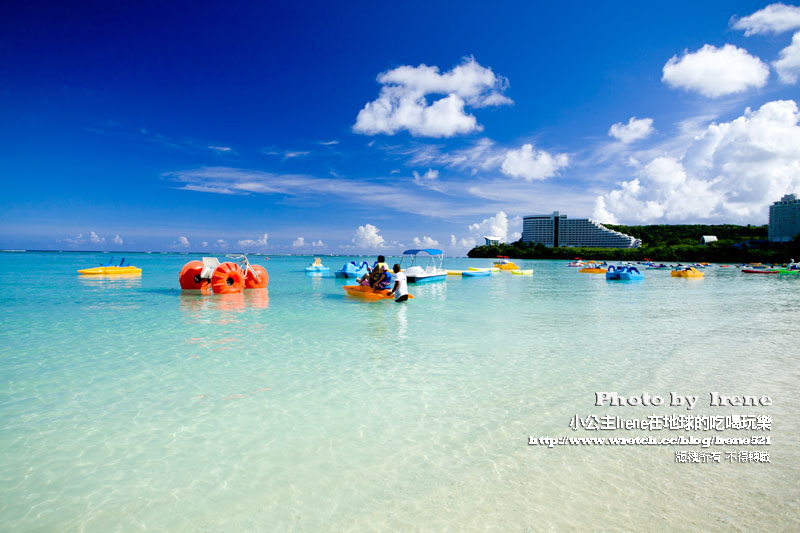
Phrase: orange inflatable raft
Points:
(222, 278)
(368, 293)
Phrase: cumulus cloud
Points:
(425, 242)
(183, 242)
(368, 237)
(298, 242)
(634, 130)
(260, 242)
(715, 72)
(117, 239)
(77, 240)
(317, 244)
(732, 172)
(531, 164)
(465, 243)
(775, 18)
(403, 100)
(788, 66)
(204, 244)
(497, 226)
(95, 238)
(221, 243)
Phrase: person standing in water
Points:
(400, 289)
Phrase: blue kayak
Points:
(476, 273)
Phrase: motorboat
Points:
(503, 263)
(624, 273)
(368, 293)
(110, 269)
(430, 272)
(353, 270)
(687, 272)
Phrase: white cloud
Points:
(732, 172)
(296, 153)
(260, 242)
(429, 180)
(402, 103)
(634, 130)
(221, 149)
(531, 164)
(775, 18)
(715, 72)
(183, 242)
(298, 242)
(465, 244)
(221, 243)
(425, 242)
(496, 226)
(204, 244)
(77, 240)
(117, 239)
(317, 244)
(368, 237)
(788, 66)
(328, 143)
(95, 238)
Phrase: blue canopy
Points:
(431, 251)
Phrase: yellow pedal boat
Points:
(690, 272)
(110, 270)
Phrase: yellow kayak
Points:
(593, 270)
(528, 272)
(110, 270)
(492, 269)
(454, 272)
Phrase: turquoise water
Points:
(125, 404)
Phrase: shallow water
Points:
(126, 404)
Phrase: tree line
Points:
(666, 243)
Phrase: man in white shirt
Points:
(400, 289)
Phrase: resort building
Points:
(558, 230)
(491, 240)
(784, 219)
(708, 239)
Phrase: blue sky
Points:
(358, 127)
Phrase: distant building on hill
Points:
(558, 230)
(490, 241)
(784, 219)
(708, 239)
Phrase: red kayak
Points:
(748, 271)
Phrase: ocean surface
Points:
(127, 405)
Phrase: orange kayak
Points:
(369, 293)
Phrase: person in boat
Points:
(400, 289)
(380, 276)
(317, 262)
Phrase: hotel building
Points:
(558, 230)
(784, 219)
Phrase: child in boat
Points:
(380, 276)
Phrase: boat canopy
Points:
(431, 251)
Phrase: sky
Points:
(363, 127)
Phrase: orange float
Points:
(258, 281)
(190, 277)
(227, 278)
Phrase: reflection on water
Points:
(116, 281)
(196, 301)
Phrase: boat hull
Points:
(476, 273)
(749, 271)
(109, 271)
(426, 279)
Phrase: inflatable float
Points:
(352, 270)
(368, 293)
(222, 278)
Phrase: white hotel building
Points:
(784, 219)
(558, 230)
